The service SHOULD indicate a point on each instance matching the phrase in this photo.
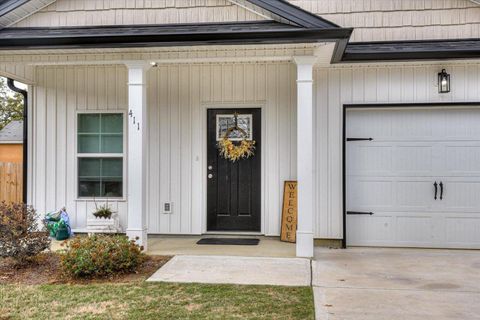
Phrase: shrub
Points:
(101, 256)
(20, 237)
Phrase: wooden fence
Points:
(11, 182)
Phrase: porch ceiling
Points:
(168, 55)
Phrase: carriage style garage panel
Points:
(417, 182)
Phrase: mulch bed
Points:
(47, 270)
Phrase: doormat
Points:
(229, 241)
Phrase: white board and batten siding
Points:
(178, 97)
(59, 94)
(177, 155)
(402, 83)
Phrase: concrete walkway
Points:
(377, 283)
(235, 270)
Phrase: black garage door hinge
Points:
(359, 139)
(359, 212)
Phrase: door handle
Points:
(441, 190)
(436, 189)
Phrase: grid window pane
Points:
(87, 188)
(89, 167)
(89, 123)
(112, 123)
(88, 143)
(112, 143)
(100, 133)
(100, 177)
(112, 167)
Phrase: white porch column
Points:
(136, 168)
(305, 155)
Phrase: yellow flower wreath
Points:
(233, 152)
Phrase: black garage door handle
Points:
(441, 190)
(359, 212)
(436, 189)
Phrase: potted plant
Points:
(104, 220)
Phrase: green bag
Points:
(62, 233)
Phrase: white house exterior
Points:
(104, 120)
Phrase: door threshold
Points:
(232, 233)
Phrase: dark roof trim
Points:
(410, 50)
(7, 6)
(163, 35)
(293, 14)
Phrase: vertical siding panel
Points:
(101, 87)
(420, 84)
(472, 79)
(382, 85)
(270, 147)
(81, 89)
(175, 143)
(283, 139)
(51, 141)
(153, 191)
(163, 99)
(227, 82)
(370, 85)
(91, 88)
(71, 162)
(185, 152)
(249, 87)
(358, 86)
(260, 82)
(122, 90)
(40, 139)
(238, 82)
(61, 139)
(217, 85)
(111, 87)
(81, 212)
(334, 150)
(408, 81)
(206, 83)
(293, 120)
(196, 185)
(458, 83)
(395, 85)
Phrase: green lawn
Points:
(142, 300)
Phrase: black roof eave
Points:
(10, 5)
(294, 14)
(126, 40)
(410, 50)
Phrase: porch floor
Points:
(187, 245)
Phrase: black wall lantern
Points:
(443, 82)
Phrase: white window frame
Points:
(122, 155)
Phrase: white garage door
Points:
(394, 176)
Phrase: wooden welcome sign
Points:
(289, 212)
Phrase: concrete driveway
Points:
(371, 283)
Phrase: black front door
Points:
(233, 188)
